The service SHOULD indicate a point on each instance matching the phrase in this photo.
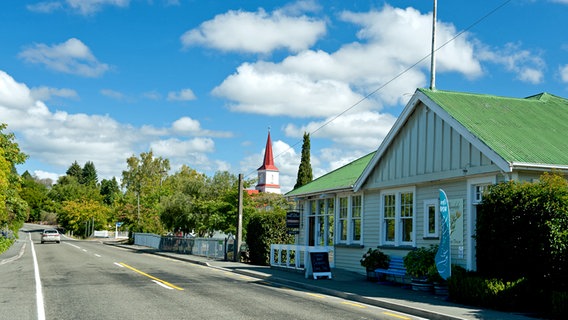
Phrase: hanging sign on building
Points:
(293, 220)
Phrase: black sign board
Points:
(320, 262)
(293, 220)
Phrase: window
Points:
(321, 222)
(356, 218)
(478, 191)
(398, 217)
(350, 214)
(343, 216)
(431, 218)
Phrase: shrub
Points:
(419, 262)
(375, 258)
(264, 229)
(473, 289)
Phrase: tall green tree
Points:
(110, 190)
(75, 171)
(143, 181)
(305, 175)
(89, 174)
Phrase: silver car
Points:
(50, 235)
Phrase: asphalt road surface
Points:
(89, 280)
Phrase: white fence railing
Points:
(297, 257)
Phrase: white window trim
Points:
(348, 219)
(398, 219)
(428, 203)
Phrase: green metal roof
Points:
(341, 178)
(532, 130)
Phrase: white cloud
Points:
(182, 95)
(45, 7)
(528, 66)
(71, 56)
(59, 138)
(320, 84)
(113, 94)
(40, 174)
(84, 7)
(564, 73)
(175, 148)
(256, 32)
(265, 88)
(361, 130)
(46, 93)
(186, 125)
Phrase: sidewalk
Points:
(351, 286)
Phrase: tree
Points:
(109, 190)
(305, 175)
(35, 194)
(89, 174)
(143, 180)
(13, 210)
(75, 171)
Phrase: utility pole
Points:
(239, 220)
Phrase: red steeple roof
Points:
(268, 158)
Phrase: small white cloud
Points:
(186, 125)
(71, 56)
(183, 95)
(152, 95)
(526, 65)
(46, 93)
(564, 72)
(113, 94)
(175, 148)
(45, 7)
(256, 32)
(40, 174)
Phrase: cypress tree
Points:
(305, 170)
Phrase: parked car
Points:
(50, 235)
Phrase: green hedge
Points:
(522, 231)
(473, 289)
(264, 229)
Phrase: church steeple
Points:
(268, 173)
(268, 163)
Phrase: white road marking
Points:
(97, 255)
(162, 285)
(39, 293)
(118, 264)
(75, 246)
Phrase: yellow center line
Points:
(396, 315)
(151, 277)
(315, 295)
(354, 304)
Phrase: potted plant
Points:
(372, 260)
(418, 264)
(440, 285)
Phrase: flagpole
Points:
(433, 53)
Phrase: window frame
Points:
(347, 222)
(398, 218)
(427, 205)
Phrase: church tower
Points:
(268, 174)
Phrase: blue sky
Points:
(200, 82)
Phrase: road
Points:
(90, 280)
